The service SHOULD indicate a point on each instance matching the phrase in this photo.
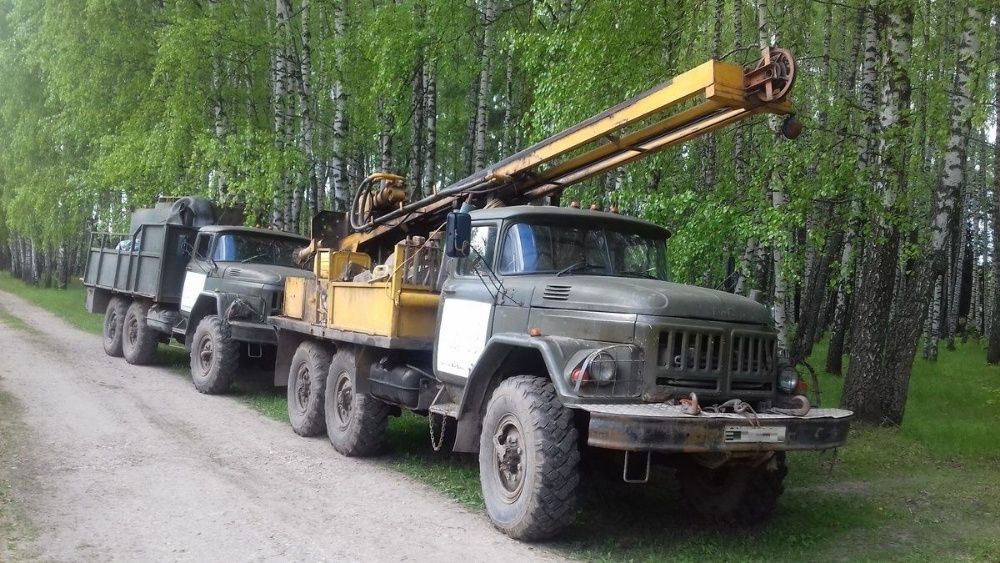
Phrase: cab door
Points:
(465, 316)
(196, 275)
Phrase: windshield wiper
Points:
(583, 265)
(252, 258)
(646, 275)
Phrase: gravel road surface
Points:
(127, 463)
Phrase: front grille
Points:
(753, 354)
(716, 361)
(688, 350)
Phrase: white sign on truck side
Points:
(194, 284)
(462, 336)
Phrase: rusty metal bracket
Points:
(772, 78)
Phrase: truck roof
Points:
(537, 212)
(253, 230)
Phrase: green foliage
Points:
(107, 105)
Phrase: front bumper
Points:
(659, 427)
(249, 331)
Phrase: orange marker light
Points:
(535, 331)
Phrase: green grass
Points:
(14, 322)
(928, 490)
(67, 304)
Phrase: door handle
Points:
(448, 291)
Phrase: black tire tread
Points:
(559, 456)
(313, 422)
(750, 502)
(365, 435)
(226, 350)
(143, 350)
(113, 346)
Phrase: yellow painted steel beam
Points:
(716, 94)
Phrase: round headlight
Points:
(602, 368)
(788, 380)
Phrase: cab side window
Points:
(203, 244)
(483, 246)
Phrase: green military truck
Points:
(530, 332)
(184, 272)
(548, 330)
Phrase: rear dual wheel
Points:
(307, 388)
(139, 340)
(355, 422)
(114, 326)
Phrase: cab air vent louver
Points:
(556, 292)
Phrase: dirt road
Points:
(120, 462)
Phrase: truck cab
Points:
(585, 297)
(654, 369)
(184, 273)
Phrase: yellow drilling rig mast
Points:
(708, 97)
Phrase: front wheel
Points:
(139, 340)
(355, 422)
(528, 459)
(734, 494)
(215, 356)
(114, 326)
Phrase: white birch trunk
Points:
(430, 109)
(416, 157)
(338, 160)
(778, 201)
(278, 110)
(483, 93)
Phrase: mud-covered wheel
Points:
(215, 356)
(528, 459)
(306, 386)
(355, 422)
(734, 494)
(114, 326)
(138, 338)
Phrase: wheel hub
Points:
(508, 445)
(345, 398)
(303, 387)
(132, 330)
(206, 354)
(112, 325)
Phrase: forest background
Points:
(878, 228)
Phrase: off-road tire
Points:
(139, 340)
(355, 423)
(306, 388)
(537, 500)
(734, 494)
(215, 356)
(114, 326)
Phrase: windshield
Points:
(251, 248)
(530, 248)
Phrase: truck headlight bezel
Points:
(602, 368)
(788, 379)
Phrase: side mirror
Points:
(458, 234)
